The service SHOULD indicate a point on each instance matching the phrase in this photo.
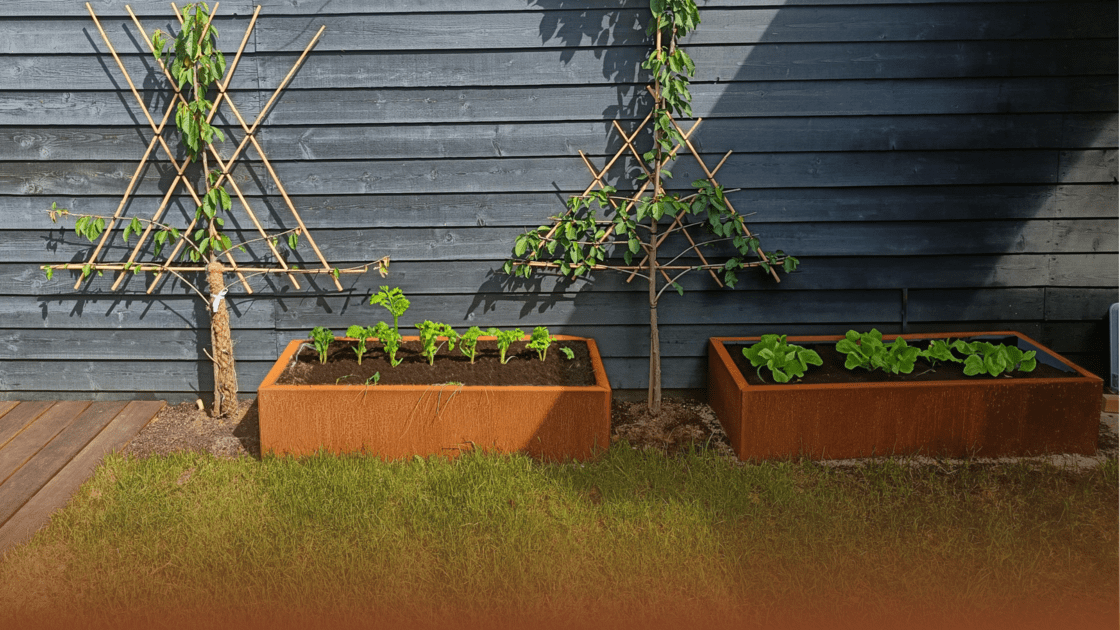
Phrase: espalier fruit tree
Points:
(197, 71)
(636, 223)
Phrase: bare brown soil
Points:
(523, 366)
(184, 427)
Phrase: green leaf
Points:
(50, 272)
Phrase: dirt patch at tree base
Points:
(682, 424)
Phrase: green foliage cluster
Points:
(581, 241)
(322, 338)
(785, 361)
(867, 350)
(430, 334)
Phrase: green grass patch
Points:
(634, 531)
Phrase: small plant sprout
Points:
(373, 380)
(361, 334)
(942, 350)
(785, 361)
(322, 338)
(568, 352)
(504, 339)
(390, 339)
(468, 342)
(394, 300)
(540, 341)
(430, 333)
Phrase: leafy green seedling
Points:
(394, 300)
(430, 332)
(940, 350)
(868, 351)
(540, 341)
(390, 339)
(997, 359)
(468, 342)
(361, 334)
(504, 339)
(322, 338)
(784, 360)
(373, 380)
(568, 352)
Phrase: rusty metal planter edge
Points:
(982, 417)
(552, 423)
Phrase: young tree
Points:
(196, 68)
(639, 221)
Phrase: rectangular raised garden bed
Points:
(979, 416)
(553, 423)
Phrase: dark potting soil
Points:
(833, 370)
(524, 367)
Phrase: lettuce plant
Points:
(540, 341)
(997, 359)
(868, 351)
(361, 334)
(430, 332)
(390, 339)
(785, 361)
(394, 300)
(468, 342)
(322, 338)
(941, 350)
(505, 338)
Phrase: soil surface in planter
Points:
(833, 370)
(524, 367)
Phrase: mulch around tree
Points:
(184, 427)
(683, 423)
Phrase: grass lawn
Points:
(634, 539)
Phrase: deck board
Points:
(16, 420)
(57, 449)
(21, 448)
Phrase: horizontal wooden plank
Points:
(571, 175)
(561, 27)
(56, 344)
(350, 247)
(483, 276)
(422, 69)
(547, 139)
(507, 310)
(764, 62)
(118, 311)
(976, 304)
(58, 8)
(1079, 303)
(503, 105)
(915, 203)
(106, 107)
(1085, 270)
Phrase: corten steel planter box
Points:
(554, 423)
(981, 416)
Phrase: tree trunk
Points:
(654, 395)
(221, 347)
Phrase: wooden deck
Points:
(49, 448)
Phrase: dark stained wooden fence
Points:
(935, 165)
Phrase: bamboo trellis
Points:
(224, 167)
(677, 224)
